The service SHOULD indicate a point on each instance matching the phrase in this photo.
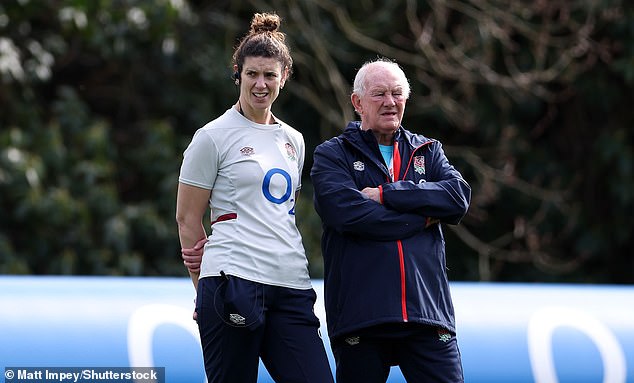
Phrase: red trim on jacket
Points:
(396, 167)
(401, 260)
(409, 163)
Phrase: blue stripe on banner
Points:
(506, 332)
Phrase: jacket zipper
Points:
(396, 168)
(396, 165)
(401, 256)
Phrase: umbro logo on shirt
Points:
(247, 151)
(358, 166)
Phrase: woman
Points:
(254, 296)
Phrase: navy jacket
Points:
(385, 262)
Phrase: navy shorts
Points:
(242, 321)
(423, 353)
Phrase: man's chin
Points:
(390, 127)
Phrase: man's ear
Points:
(356, 103)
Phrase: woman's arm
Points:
(191, 205)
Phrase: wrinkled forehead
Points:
(384, 78)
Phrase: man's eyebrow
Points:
(386, 89)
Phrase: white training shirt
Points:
(253, 171)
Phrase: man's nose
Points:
(389, 99)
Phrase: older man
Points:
(382, 193)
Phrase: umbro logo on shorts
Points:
(237, 319)
(353, 340)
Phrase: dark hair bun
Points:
(265, 22)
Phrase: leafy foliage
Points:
(532, 101)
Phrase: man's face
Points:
(382, 105)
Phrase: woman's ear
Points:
(236, 75)
(284, 77)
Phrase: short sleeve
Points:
(200, 161)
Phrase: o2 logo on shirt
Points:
(266, 188)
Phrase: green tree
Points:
(531, 100)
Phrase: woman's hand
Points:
(194, 256)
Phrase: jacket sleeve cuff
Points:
(381, 194)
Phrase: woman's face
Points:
(260, 83)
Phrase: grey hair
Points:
(359, 79)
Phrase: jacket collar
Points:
(365, 141)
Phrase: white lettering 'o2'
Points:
(145, 320)
(543, 323)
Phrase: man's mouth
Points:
(260, 94)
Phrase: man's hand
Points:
(194, 256)
(375, 195)
(372, 193)
(431, 222)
